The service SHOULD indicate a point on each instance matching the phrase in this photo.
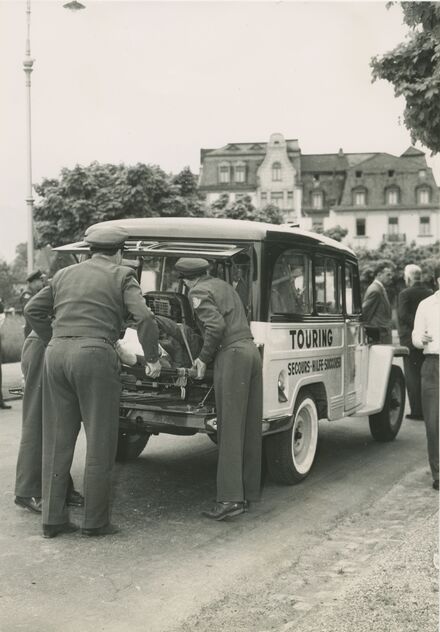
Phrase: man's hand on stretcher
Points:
(153, 369)
(200, 366)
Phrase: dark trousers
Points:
(430, 404)
(238, 396)
(29, 461)
(80, 382)
(1, 392)
(412, 365)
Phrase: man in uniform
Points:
(426, 336)
(376, 308)
(228, 340)
(35, 282)
(408, 301)
(89, 302)
(29, 461)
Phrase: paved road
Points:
(170, 569)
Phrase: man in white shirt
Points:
(426, 336)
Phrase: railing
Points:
(399, 237)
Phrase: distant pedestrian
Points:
(3, 405)
(376, 308)
(426, 336)
(408, 301)
(228, 341)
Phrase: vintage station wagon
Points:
(301, 293)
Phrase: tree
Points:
(86, 195)
(413, 67)
(335, 232)
(7, 291)
(18, 267)
(398, 256)
(243, 208)
(187, 182)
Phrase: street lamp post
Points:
(28, 67)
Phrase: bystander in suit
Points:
(3, 404)
(426, 336)
(376, 308)
(89, 302)
(408, 301)
(227, 340)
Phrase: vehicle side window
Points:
(291, 284)
(241, 278)
(328, 290)
(352, 293)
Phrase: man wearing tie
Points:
(376, 308)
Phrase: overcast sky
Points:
(156, 81)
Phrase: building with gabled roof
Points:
(374, 195)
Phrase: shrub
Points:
(12, 338)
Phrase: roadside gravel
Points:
(373, 571)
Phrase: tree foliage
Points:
(335, 232)
(413, 67)
(243, 208)
(99, 192)
(398, 255)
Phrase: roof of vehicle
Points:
(209, 228)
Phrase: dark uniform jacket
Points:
(92, 299)
(408, 301)
(220, 314)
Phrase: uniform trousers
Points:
(412, 364)
(29, 461)
(430, 404)
(81, 382)
(239, 402)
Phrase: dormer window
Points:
(224, 173)
(239, 173)
(423, 195)
(392, 196)
(317, 200)
(276, 172)
(360, 197)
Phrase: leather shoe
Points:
(415, 417)
(222, 510)
(33, 503)
(52, 530)
(5, 406)
(435, 485)
(107, 529)
(75, 499)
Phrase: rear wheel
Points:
(290, 454)
(384, 426)
(131, 445)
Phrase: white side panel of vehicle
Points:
(298, 354)
(379, 366)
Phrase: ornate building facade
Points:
(375, 196)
